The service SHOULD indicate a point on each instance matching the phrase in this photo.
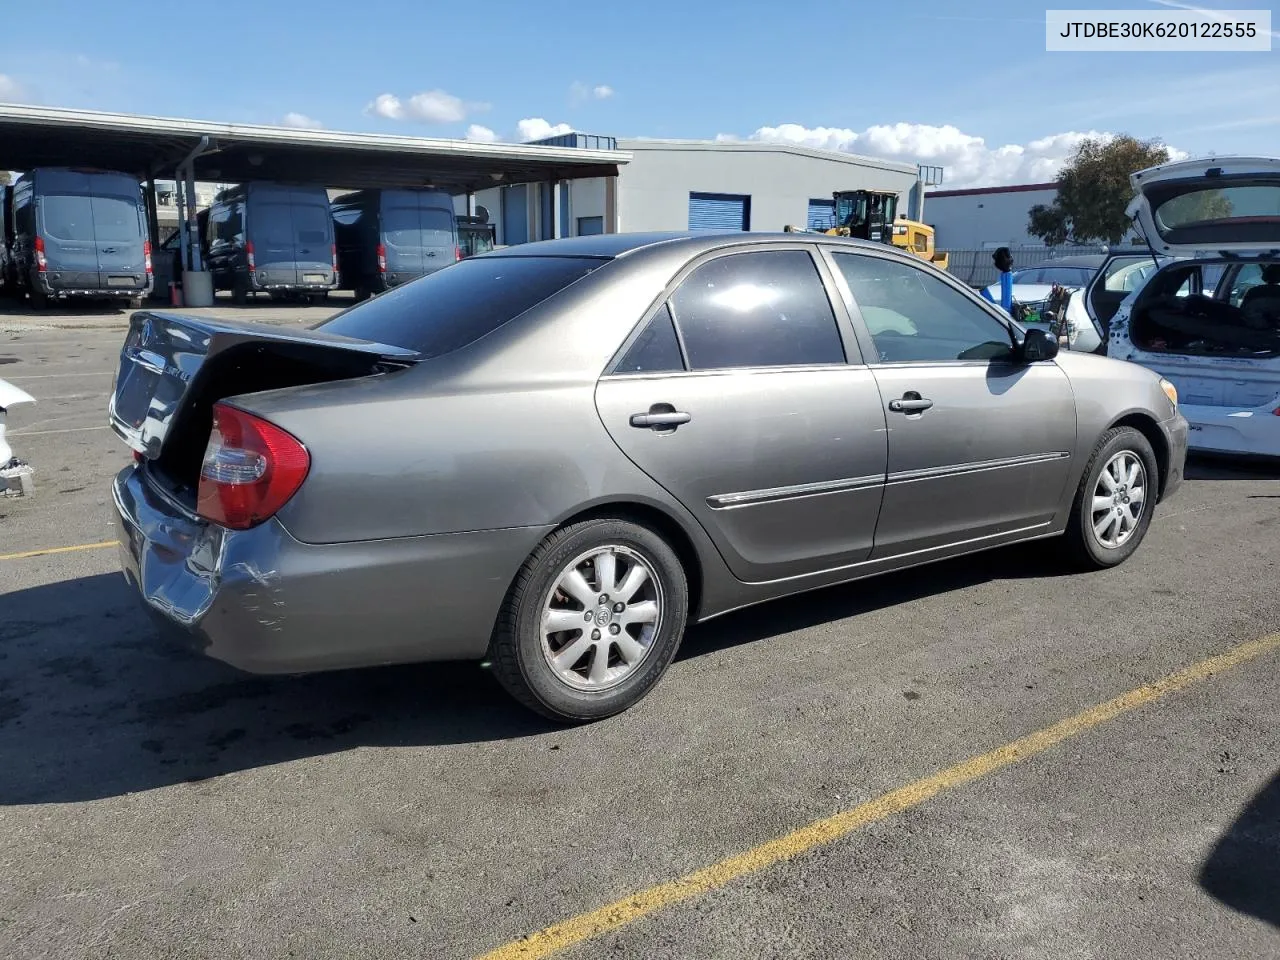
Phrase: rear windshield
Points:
(458, 305)
(83, 218)
(411, 227)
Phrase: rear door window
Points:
(67, 216)
(448, 309)
(116, 219)
(757, 310)
(310, 223)
(437, 228)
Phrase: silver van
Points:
(76, 233)
(272, 238)
(389, 237)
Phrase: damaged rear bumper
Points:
(266, 603)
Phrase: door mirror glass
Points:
(1037, 345)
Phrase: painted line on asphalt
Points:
(40, 433)
(587, 926)
(51, 550)
(52, 376)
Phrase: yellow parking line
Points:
(592, 924)
(48, 550)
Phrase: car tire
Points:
(1097, 536)
(240, 290)
(39, 299)
(587, 688)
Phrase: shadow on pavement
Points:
(94, 704)
(1211, 467)
(1243, 871)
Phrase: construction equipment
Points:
(872, 215)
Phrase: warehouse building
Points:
(693, 185)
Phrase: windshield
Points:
(458, 305)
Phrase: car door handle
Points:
(660, 415)
(910, 403)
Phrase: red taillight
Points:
(382, 258)
(251, 468)
(146, 254)
(248, 252)
(457, 253)
(41, 263)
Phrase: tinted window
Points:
(656, 350)
(1067, 276)
(913, 316)
(116, 219)
(453, 307)
(411, 227)
(1026, 276)
(757, 310)
(311, 223)
(67, 217)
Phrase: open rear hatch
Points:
(174, 368)
(1214, 205)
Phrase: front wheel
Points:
(592, 622)
(1114, 502)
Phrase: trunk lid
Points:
(174, 368)
(1209, 205)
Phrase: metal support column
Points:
(184, 246)
(557, 228)
(193, 222)
(153, 216)
(471, 203)
(611, 205)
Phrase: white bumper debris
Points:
(15, 475)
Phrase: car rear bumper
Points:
(1247, 431)
(266, 603)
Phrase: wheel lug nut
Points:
(614, 629)
(587, 616)
(619, 607)
(595, 634)
(604, 598)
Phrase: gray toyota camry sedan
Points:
(557, 456)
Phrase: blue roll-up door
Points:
(515, 215)
(822, 214)
(719, 211)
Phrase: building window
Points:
(590, 226)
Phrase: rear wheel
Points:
(240, 290)
(592, 622)
(39, 299)
(1115, 500)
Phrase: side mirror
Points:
(1037, 345)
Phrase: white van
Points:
(1209, 320)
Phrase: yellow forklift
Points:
(873, 215)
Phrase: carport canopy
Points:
(33, 136)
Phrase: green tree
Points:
(1094, 191)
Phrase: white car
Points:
(1209, 320)
(1110, 277)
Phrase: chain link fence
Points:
(976, 268)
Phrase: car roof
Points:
(1080, 260)
(613, 245)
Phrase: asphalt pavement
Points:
(156, 805)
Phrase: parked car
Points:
(1209, 320)
(79, 234)
(389, 237)
(1107, 276)
(557, 455)
(272, 238)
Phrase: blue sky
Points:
(966, 85)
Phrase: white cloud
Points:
(580, 92)
(968, 160)
(535, 128)
(481, 134)
(10, 89)
(301, 121)
(432, 106)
